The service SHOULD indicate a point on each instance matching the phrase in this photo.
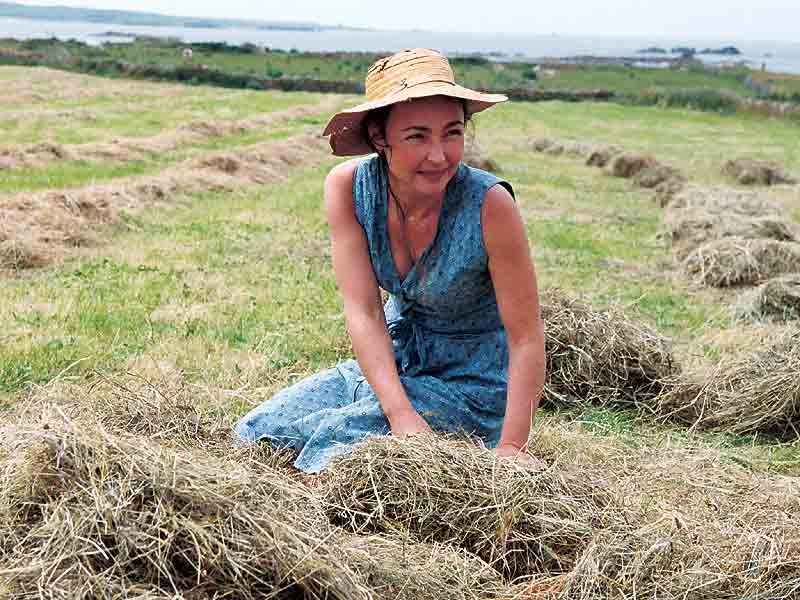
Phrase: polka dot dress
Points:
(449, 343)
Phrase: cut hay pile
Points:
(722, 200)
(748, 171)
(404, 569)
(777, 300)
(86, 514)
(600, 356)
(445, 491)
(557, 148)
(740, 261)
(600, 157)
(36, 228)
(476, 156)
(688, 229)
(126, 149)
(756, 392)
(629, 164)
(658, 175)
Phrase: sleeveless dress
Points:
(449, 342)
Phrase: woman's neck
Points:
(415, 205)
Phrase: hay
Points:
(686, 230)
(600, 157)
(722, 200)
(776, 300)
(542, 144)
(137, 148)
(403, 569)
(447, 491)
(476, 156)
(757, 392)
(600, 356)
(658, 174)
(739, 261)
(629, 164)
(84, 508)
(666, 191)
(578, 149)
(748, 171)
(36, 228)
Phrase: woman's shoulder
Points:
(478, 183)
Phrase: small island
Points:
(684, 50)
(725, 51)
(652, 50)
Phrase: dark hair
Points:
(379, 116)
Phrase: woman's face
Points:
(425, 139)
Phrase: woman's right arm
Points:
(366, 322)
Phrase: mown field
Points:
(165, 267)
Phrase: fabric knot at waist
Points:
(412, 332)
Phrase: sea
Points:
(777, 56)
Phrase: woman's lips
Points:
(434, 175)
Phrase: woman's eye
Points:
(455, 132)
(415, 136)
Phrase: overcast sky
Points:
(768, 20)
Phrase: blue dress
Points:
(449, 342)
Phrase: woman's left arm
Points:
(514, 279)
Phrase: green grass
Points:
(236, 289)
(630, 80)
(142, 116)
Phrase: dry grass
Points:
(748, 171)
(739, 261)
(722, 200)
(40, 85)
(601, 157)
(452, 492)
(38, 228)
(476, 156)
(629, 164)
(87, 514)
(776, 300)
(751, 393)
(405, 569)
(600, 356)
(686, 230)
(127, 149)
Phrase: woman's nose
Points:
(436, 153)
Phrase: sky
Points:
(766, 20)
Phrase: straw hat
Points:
(403, 76)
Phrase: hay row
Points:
(600, 357)
(660, 524)
(87, 514)
(644, 170)
(753, 393)
(727, 237)
(776, 300)
(128, 149)
(428, 517)
(748, 171)
(36, 228)
(742, 261)
(40, 84)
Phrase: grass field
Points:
(232, 288)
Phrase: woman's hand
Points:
(520, 457)
(407, 423)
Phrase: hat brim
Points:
(344, 128)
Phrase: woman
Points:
(459, 345)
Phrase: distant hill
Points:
(126, 17)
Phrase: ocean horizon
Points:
(778, 56)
